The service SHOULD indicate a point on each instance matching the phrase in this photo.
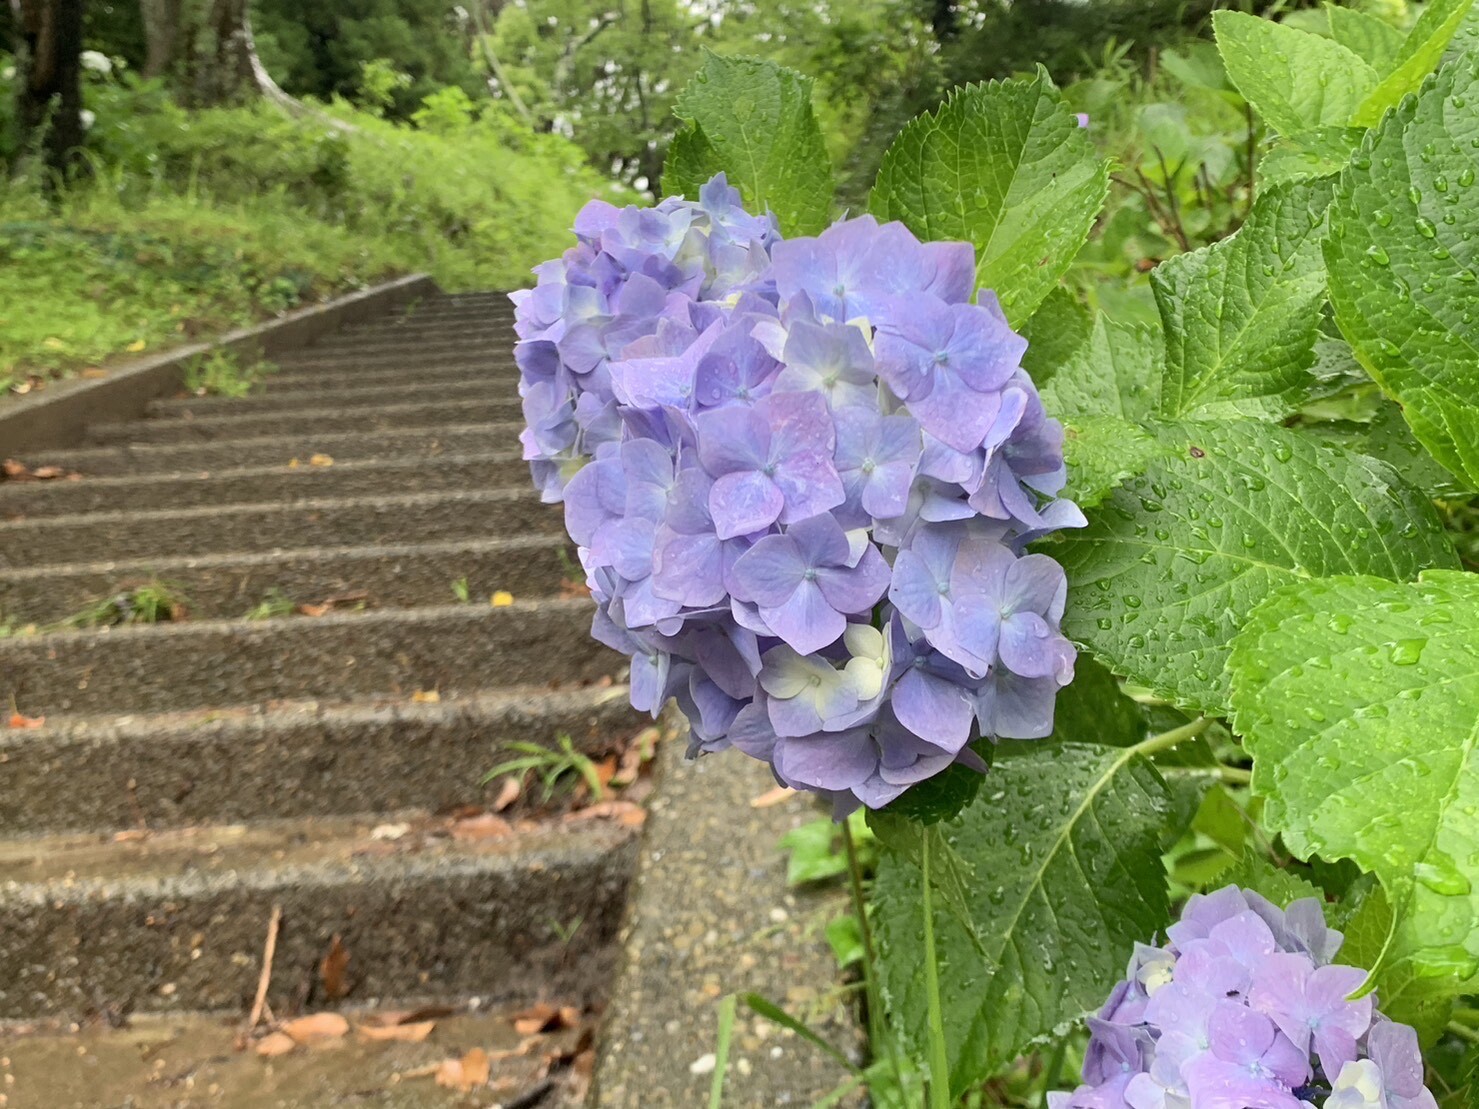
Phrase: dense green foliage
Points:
(1264, 358)
(192, 221)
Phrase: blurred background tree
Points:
(460, 137)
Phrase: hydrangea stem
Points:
(939, 1056)
(865, 931)
(1166, 740)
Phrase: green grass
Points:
(192, 223)
(551, 766)
(221, 374)
(151, 603)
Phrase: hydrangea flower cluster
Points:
(801, 474)
(1241, 1007)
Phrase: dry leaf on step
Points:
(623, 812)
(771, 797)
(466, 1073)
(334, 970)
(19, 721)
(274, 1044)
(400, 1033)
(316, 1028)
(508, 793)
(486, 826)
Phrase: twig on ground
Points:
(259, 1005)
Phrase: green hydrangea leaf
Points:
(1358, 699)
(1308, 156)
(1403, 258)
(1421, 51)
(690, 161)
(1006, 167)
(1368, 37)
(1101, 452)
(1054, 334)
(1387, 437)
(1423, 1001)
(1283, 887)
(754, 120)
(1241, 316)
(1175, 559)
(1295, 80)
(1065, 845)
(1114, 371)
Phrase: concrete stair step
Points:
(177, 920)
(364, 419)
(489, 387)
(315, 381)
(428, 444)
(261, 484)
(246, 528)
(200, 664)
(408, 357)
(430, 337)
(290, 759)
(229, 586)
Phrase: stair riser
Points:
(275, 450)
(261, 528)
(228, 587)
(365, 421)
(256, 486)
(411, 359)
(425, 929)
(288, 765)
(318, 381)
(434, 337)
(489, 387)
(185, 666)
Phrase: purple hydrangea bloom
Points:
(801, 475)
(1242, 1008)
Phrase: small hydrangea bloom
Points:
(802, 475)
(1243, 1007)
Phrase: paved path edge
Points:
(57, 416)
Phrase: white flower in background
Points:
(88, 119)
(96, 61)
(8, 73)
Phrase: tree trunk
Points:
(161, 20)
(221, 65)
(49, 90)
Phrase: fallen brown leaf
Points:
(623, 812)
(19, 721)
(508, 793)
(316, 1028)
(486, 826)
(771, 797)
(606, 770)
(466, 1073)
(274, 1044)
(388, 1017)
(333, 971)
(540, 1017)
(426, 697)
(400, 1033)
(314, 610)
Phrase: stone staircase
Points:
(191, 776)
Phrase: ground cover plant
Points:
(894, 500)
(190, 222)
